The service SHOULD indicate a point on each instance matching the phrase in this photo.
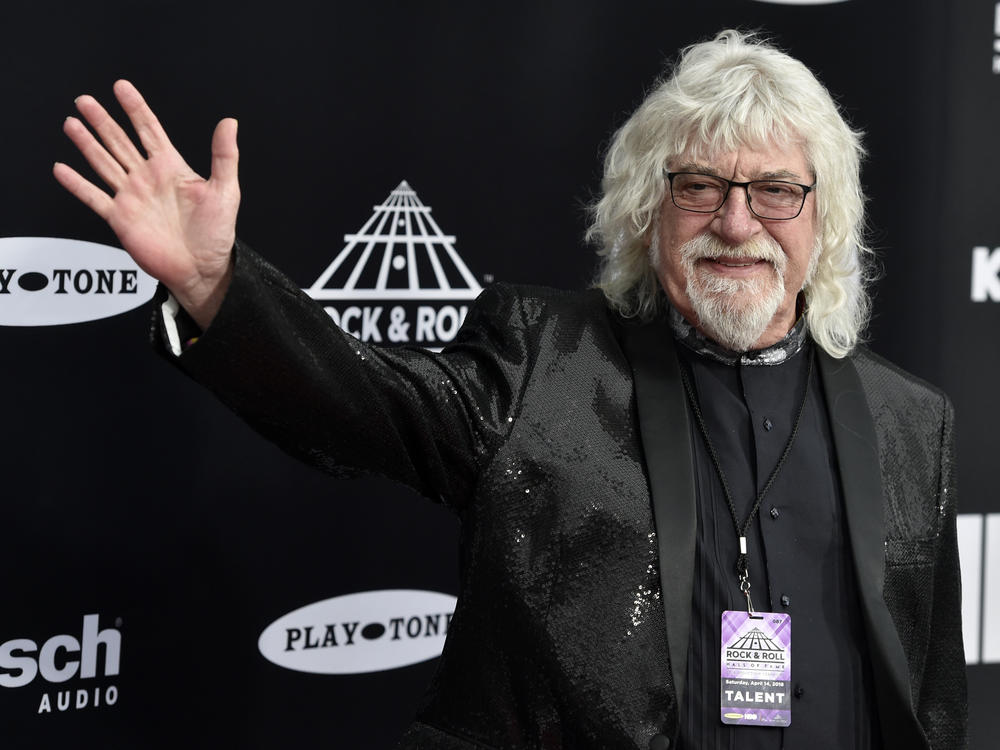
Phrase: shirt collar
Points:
(775, 354)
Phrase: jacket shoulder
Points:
(537, 301)
(888, 381)
(533, 308)
(914, 425)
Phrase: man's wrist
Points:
(203, 302)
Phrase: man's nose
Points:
(734, 222)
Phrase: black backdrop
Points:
(130, 494)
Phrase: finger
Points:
(115, 140)
(96, 155)
(92, 196)
(151, 134)
(225, 154)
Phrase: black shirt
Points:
(799, 554)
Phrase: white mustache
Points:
(758, 248)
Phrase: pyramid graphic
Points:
(399, 254)
(755, 640)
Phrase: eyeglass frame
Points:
(806, 189)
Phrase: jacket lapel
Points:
(665, 434)
(856, 445)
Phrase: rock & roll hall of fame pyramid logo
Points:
(398, 279)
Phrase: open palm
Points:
(178, 226)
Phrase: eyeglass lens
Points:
(769, 199)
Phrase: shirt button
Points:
(768, 424)
(785, 600)
(659, 742)
(774, 513)
(799, 692)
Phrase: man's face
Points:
(735, 276)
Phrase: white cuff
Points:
(169, 309)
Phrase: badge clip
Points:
(744, 574)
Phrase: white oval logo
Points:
(46, 281)
(802, 2)
(370, 631)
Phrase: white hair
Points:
(734, 91)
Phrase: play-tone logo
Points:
(398, 279)
(370, 631)
(47, 281)
(62, 658)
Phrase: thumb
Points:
(225, 154)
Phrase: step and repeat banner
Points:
(171, 579)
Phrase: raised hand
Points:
(178, 226)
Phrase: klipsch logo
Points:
(62, 658)
(47, 281)
(398, 280)
(369, 631)
(985, 274)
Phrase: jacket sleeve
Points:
(941, 707)
(427, 420)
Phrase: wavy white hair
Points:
(737, 90)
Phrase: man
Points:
(696, 460)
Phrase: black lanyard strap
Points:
(741, 529)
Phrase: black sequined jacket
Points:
(558, 433)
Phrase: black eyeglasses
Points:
(776, 200)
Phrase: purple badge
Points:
(756, 668)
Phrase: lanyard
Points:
(742, 570)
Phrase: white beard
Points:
(734, 312)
